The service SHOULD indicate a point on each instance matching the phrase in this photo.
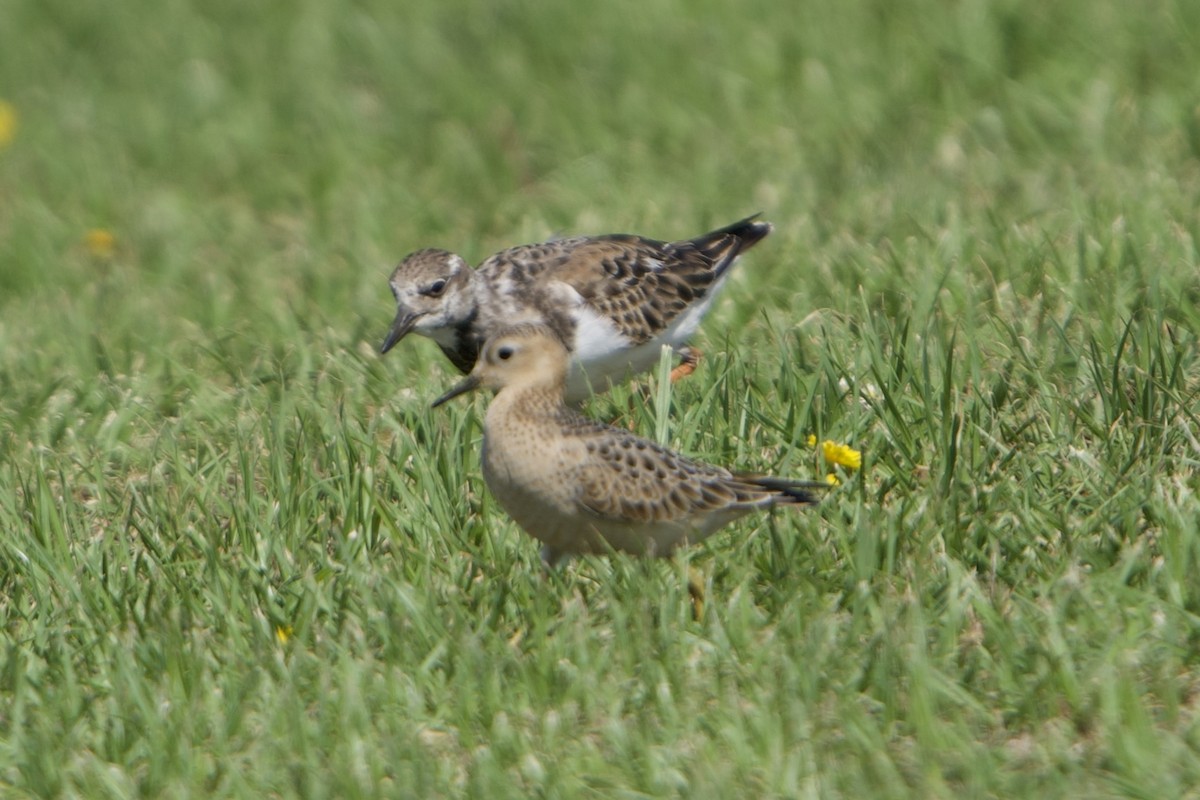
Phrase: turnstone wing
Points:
(614, 300)
(580, 486)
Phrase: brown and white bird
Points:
(614, 300)
(580, 486)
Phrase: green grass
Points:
(241, 557)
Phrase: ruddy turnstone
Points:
(580, 486)
(614, 300)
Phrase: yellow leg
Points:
(695, 584)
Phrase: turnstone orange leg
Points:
(689, 359)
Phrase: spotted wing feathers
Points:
(630, 479)
(639, 284)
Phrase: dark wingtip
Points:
(750, 231)
(724, 245)
(800, 492)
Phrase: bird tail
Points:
(724, 245)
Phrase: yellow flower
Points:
(812, 440)
(8, 124)
(283, 633)
(100, 243)
(842, 454)
(832, 479)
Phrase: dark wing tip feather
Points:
(790, 491)
(749, 230)
(724, 245)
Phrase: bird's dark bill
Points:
(400, 327)
(466, 385)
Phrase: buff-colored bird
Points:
(579, 486)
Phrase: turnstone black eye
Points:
(434, 289)
(505, 353)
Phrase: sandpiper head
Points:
(433, 295)
(527, 355)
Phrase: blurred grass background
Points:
(240, 556)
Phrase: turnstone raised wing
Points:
(580, 486)
(614, 300)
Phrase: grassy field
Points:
(241, 557)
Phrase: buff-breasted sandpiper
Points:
(579, 486)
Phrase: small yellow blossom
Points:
(8, 124)
(283, 633)
(832, 479)
(100, 243)
(842, 454)
(812, 440)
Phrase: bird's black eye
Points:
(504, 353)
(434, 289)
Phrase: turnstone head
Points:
(579, 486)
(435, 297)
(614, 300)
